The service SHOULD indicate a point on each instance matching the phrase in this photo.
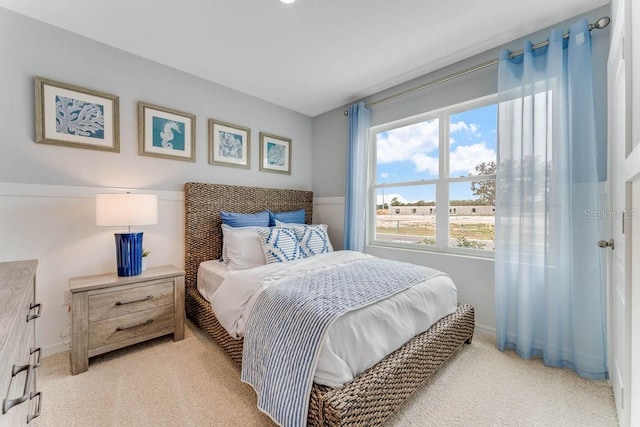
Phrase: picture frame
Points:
(73, 116)
(166, 133)
(229, 144)
(275, 153)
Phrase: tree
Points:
(485, 190)
(396, 202)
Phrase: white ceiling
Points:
(310, 56)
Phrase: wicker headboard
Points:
(203, 203)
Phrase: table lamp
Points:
(127, 209)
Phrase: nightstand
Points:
(110, 312)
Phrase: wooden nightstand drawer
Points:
(153, 322)
(129, 300)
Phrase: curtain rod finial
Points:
(346, 113)
(601, 23)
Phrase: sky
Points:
(411, 153)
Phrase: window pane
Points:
(406, 154)
(472, 217)
(472, 142)
(406, 214)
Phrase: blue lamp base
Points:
(129, 253)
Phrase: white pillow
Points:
(279, 244)
(313, 239)
(242, 247)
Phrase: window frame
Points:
(442, 182)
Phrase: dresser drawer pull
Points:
(124, 328)
(36, 350)
(147, 298)
(37, 414)
(38, 306)
(10, 403)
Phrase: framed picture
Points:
(72, 116)
(275, 153)
(229, 144)
(167, 133)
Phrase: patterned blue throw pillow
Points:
(313, 239)
(279, 245)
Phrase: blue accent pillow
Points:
(292, 217)
(235, 219)
(313, 239)
(279, 244)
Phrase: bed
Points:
(371, 396)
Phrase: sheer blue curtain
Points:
(355, 212)
(550, 296)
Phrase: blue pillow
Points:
(279, 244)
(235, 219)
(292, 217)
(313, 239)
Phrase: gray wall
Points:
(47, 193)
(31, 48)
(330, 128)
(474, 277)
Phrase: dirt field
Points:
(464, 230)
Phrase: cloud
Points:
(416, 142)
(464, 159)
(463, 127)
(385, 175)
(425, 163)
(407, 143)
(470, 130)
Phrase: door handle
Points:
(604, 244)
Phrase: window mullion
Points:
(442, 189)
(371, 218)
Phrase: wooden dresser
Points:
(111, 312)
(19, 356)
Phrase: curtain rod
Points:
(598, 25)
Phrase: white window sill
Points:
(450, 251)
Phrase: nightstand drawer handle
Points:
(10, 403)
(30, 317)
(124, 328)
(147, 298)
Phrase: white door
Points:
(618, 318)
(632, 176)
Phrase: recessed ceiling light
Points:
(287, 1)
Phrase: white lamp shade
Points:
(126, 209)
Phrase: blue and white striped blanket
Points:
(289, 320)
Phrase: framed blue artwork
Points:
(275, 154)
(229, 144)
(73, 116)
(164, 132)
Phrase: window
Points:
(433, 180)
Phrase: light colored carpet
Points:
(193, 383)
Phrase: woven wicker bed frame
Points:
(373, 395)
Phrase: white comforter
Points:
(358, 339)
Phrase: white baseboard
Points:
(485, 330)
